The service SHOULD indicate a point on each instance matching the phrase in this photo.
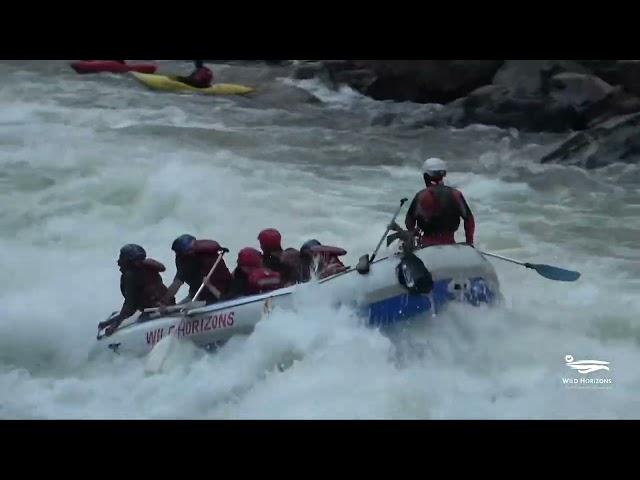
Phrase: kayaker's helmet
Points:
(199, 63)
(130, 254)
(434, 169)
(183, 244)
(249, 258)
(270, 240)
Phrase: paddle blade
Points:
(554, 273)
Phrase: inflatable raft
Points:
(171, 84)
(385, 295)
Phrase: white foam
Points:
(79, 181)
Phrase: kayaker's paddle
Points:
(158, 355)
(547, 271)
(364, 263)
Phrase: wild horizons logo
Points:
(585, 367)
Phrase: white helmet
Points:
(434, 167)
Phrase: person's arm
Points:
(467, 216)
(410, 219)
(216, 293)
(237, 287)
(172, 290)
(125, 312)
(129, 306)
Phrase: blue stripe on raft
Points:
(405, 306)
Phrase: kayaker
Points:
(194, 260)
(140, 283)
(285, 262)
(321, 259)
(250, 277)
(201, 77)
(435, 212)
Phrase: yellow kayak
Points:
(170, 84)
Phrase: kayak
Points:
(110, 66)
(170, 84)
(384, 296)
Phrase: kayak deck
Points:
(170, 84)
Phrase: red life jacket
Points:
(153, 265)
(152, 289)
(201, 78)
(287, 263)
(196, 266)
(437, 215)
(260, 280)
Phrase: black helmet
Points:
(183, 243)
(310, 243)
(132, 253)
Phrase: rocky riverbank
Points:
(593, 97)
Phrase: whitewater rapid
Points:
(89, 163)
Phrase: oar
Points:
(206, 279)
(365, 262)
(158, 355)
(547, 271)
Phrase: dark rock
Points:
(278, 62)
(629, 71)
(616, 140)
(533, 95)
(360, 79)
(497, 105)
(529, 77)
(427, 81)
(305, 72)
(625, 73)
(617, 103)
(336, 66)
(578, 89)
(557, 103)
(423, 81)
(309, 70)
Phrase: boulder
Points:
(526, 78)
(616, 140)
(427, 81)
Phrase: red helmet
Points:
(270, 240)
(249, 257)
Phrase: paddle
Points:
(158, 355)
(174, 308)
(206, 279)
(365, 262)
(547, 271)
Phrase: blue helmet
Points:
(132, 253)
(310, 243)
(182, 244)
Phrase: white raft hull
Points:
(459, 272)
